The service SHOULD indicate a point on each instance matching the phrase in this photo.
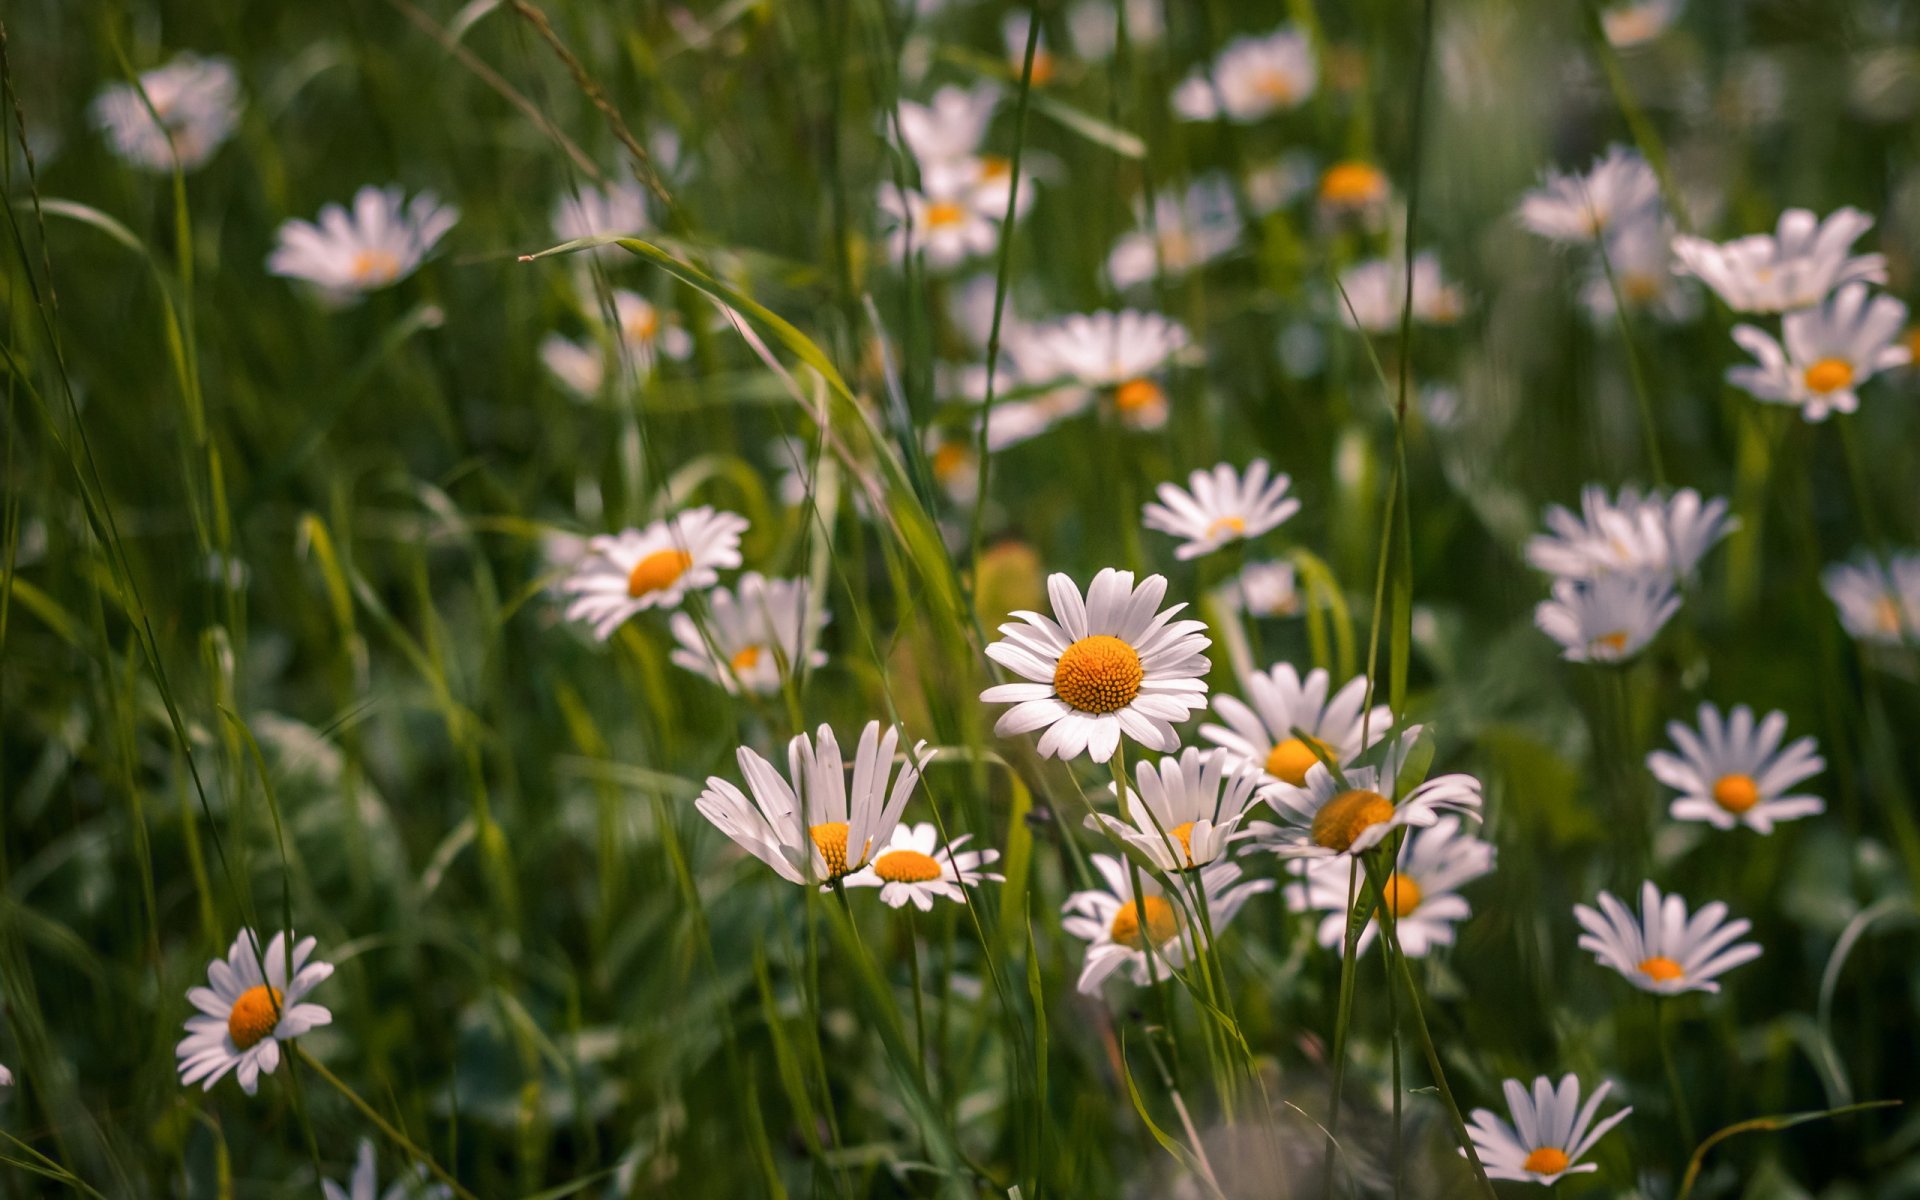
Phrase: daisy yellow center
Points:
(1345, 817)
(1274, 85)
(1042, 67)
(1161, 921)
(906, 866)
(1547, 1160)
(1829, 375)
(1661, 969)
(1886, 615)
(1098, 674)
(1138, 395)
(1225, 527)
(657, 571)
(1912, 342)
(1615, 641)
(1183, 833)
(746, 660)
(830, 838)
(1352, 184)
(1292, 759)
(374, 266)
(642, 326)
(949, 460)
(1640, 287)
(944, 214)
(1402, 894)
(1736, 793)
(993, 167)
(254, 1015)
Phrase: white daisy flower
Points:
(655, 567)
(812, 830)
(1117, 927)
(1423, 889)
(910, 869)
(1183, 813)
(1638, 22)
(381, 242)
(1663, 951)
(577, 365)
(1108, 664)
(1264, 589)
(1877, 603)
(1222, 507)
(619, 207)
(1636, 534)
(1794, 267)
(1639, 253)
(1328, 817)
(1620, 190)
(949, 128)
(1186, 232)
(1550, 1134)
(364, 1183)
(249, 1010)
(1253, 78)
(1609, 618)
(942, 221)
(1830, 351)
(197, 101)
(1118, 353)
(753, 636)
(1730, 773)
(1374, 291)
(1264, 733)
(6, 1076)
(645, 335)
(1352, 188)
(1094, 26)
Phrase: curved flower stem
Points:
(385, 1126)
(1343, 1017)
(1662, 1020)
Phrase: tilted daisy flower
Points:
(1183, 812)
(1619, 189)
(941, 221)
(753, 636)
(1609, 618)
(364, 1183)
(251, 1007)
(197, 101)
(1222, 506)
(1119, 929)
(1794, 267)
(1110, 663)
(949, 127)
(1550, 1134)
(1264, 589)
(655, 567)
(1650, 534)
(1373, 293)
(1423, 889)
(1333, 816)
(1263, 733)
(812, 830)
(1187, 231)
(1117, 353)
(1877, 603)
(1637, 22)
(913, 868)
(1730, 773)
(1830, 351)
(382, 241)
(1253, 78)
(1663, 951)
(618, 207)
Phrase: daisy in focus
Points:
(1331, 816)
(1619, 190)
(1108, 663)
(1830, 351)
(196, 101)
(1116, 353)
(655, 567)
(1635, 533)
(1423, 890)
(913, 868)
(754, 636)
(1291, 724)
(1253, 78)
(1184, 812)
(812, 830)
(1120, 931)
(364, 1183)
(1607, 619)
(1222, 506)
(1186, 232)
(1876, 603)
(1373, 293)
(382, 241)
(249, 1008)
(1550, 1134)
(1663, 951)
(1731, 773)
(1796, 266)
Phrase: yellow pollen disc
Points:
(1293, 758)
(993, 167)
(1042, 67)
(1736, 793)
(1183, 833)
(1352, 185)
(1098, 674)
(374, 266)
(1227, 527)
(1138, 395)
(1547, 1160)
(1912, 341)
(1402, 894)
(644, 325)
(1162, 922)
(656, 571)
(949, 460)
(830, 837)
(1640, 287)
(1615, 641)
(1274, 86)
(943, 213)
(746, 660)
(1829, 375)
(1347, 816)
(906, 866)
(1661, 969)
(254, 1015)
(1886, 615)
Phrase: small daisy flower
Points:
(1222, 506)
(1730, 773)
(1830, 351)
(1252, 79)
(1118, 928)
(620, 207)
(1638, 22)
(1117, 353)
(811, 830)
(382, 241)
(1264, 733)
(645, 335)
(1550, 1134)
(910, 870)
(1663, 951)
(1264, 589)
(1352, 188)
(949, 128)
(249, 1010)
(1607, 619)
(1636, 534)
(197, 101)
(1620, 189)
(1014, 28)
(364, 1183)
(1094, 26)
(655, 567)
(1327, 817)
(1183, 813)
(753, 635)
(1877, 603)
(1423, 890)
(1186, 232)
(1640, 256)
(1373, 293)
(1110, 663)
(1794, 267)
(942, 221)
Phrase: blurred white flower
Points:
(1830, 351)
(1731, 773)
(1637, 22)
(1637, 534)
(1118, 928)
(364, 1183)
(381, 242)
(913, 868)
(1375, 291)
(249, 1009)
(1219, 507)
(1185, 811)
(1550, 1134)
(1353, 188)
(1253, 78)
(1794, 267)
(1094, 26)
(1333, 816)
(645, 334)
(754, 635)
(1279, 183)
(1014, 29)
(948, 129)
(197, 101)
(577, 365)
(942, 221)
(1877, 602)
(1264, 589)
(1186, 232)
(655, 567)
(1663, 950)
(1292, 724)
(1619, 190)
(1639, 254)
(1119, 353)
(1423, 890)
(1609, 618)
(619, 207)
